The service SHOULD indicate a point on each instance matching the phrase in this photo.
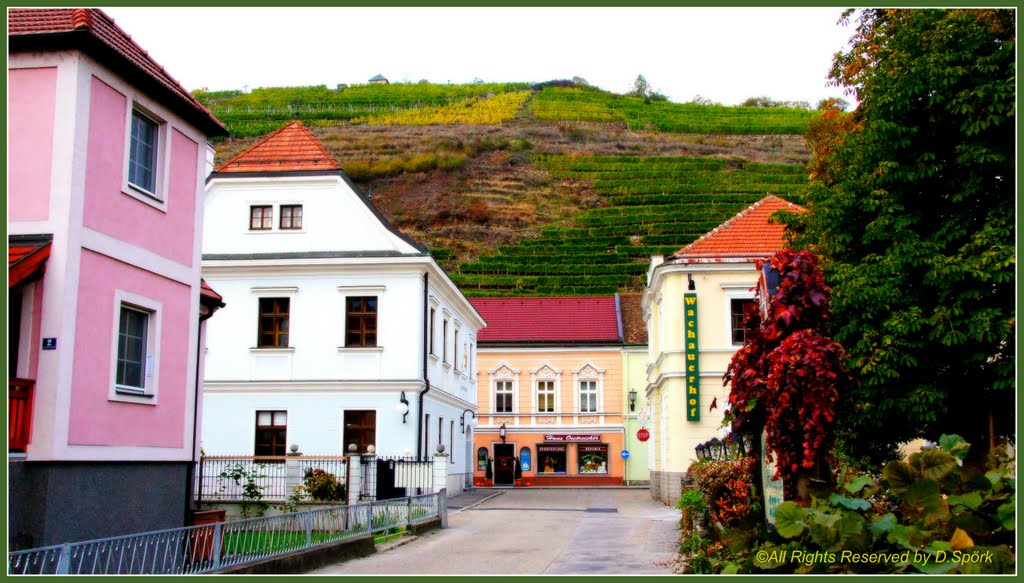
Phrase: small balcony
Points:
(19, 413)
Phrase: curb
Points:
(479, 502)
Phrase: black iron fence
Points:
(234, 478)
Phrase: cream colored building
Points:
(717, 274)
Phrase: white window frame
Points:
(275, 219)
(552, 392)
(588, 372)
(590, 392)
(149, 393)
(503, 372)
(445, 326)
(511, 392)
(734, 291)
(538, 376)
(432, 330)
(157, 198)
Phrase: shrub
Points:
(726, 488)
(323, 486)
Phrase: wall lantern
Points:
(702, 453)
(402, 407)
(632, 400)
(472, 421)
(501, 432)
(715, 445)
(692, 286)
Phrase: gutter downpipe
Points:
(426, 380)
(191, 473)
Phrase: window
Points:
(551, 459)
(481, 459)
(273, 323)
(261, 218)
(451, 441)
(740, 310)
(440, 430)
(546, 397)
(588, 396)
(444, 342)
(291, 216)
(503, 397)
(593, 459)
(361, 321)
(524, 459)
(360, 430)
(455, 349)
(432, 313)
(271, 431)
(142, 153)
(132, 343)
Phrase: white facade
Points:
(343, 249)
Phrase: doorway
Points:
(504, 464)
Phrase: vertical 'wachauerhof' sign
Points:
(692, 366)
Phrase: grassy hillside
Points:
(521, 190)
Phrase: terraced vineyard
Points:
(592, 105)
(654, 205)
(264, 110)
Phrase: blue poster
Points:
(524, 458)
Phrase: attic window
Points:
(291, 216)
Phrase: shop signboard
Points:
(569, 437)
(692, 364)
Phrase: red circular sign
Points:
(643, 435)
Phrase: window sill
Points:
(446, 365)
(124, 396)
(271, 349)
(144, 196)
(358, 349)
(275, 231)
(434, 358)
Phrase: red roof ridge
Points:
(291, 148)
(754, 245)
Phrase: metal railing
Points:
(384, 477)
(19, 412)
(215, 547)
(271, 475)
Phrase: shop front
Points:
(550, 459)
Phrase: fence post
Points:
(355, 479)
(292, 471)
(440, 472)
(309, 528)
(64, 560)
(442, 507)
(217, 544)
(408, 513)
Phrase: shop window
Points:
(481, 459)
(551, 459)
(593, 459)
(524, 459)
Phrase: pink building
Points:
(107, 158)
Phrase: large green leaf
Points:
(881, 524)
(924, 495)
(849, 503)
(857, 484)
(790, 519)
(970, 500)
(987, 560)
(936, 464)
(955, 445)
(1005, 514)
(900, 476)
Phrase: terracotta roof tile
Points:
(208, 292)
(573, 320)
(25, 258)
(23, 23)
(290, 149)
(634, 329)
(749, 233)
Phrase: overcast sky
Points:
(724, 54)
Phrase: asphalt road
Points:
(535, 531)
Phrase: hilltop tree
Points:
(912, 211)
(643, 90)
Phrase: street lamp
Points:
(402, 407)
(501, 432)
(462, 420)
(716, 448)
(632, 400)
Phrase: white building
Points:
(335, 318)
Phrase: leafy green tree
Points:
(912, 211)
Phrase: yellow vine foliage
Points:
(475, 111)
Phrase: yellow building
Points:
(549, 392)
(693, 306)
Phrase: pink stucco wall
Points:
(31, 101)
(95, 420)
(114, 213)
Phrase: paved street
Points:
(540, 531)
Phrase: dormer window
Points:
(261, 218)
(291, 216)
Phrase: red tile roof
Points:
(292, 148)
(748, 234)
(208, 292)
(38, 28)
(567, 320)
(25, 259)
